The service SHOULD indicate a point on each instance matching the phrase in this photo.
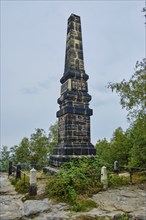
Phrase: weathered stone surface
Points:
(125, 199)
(98, 214)
(74, 114)
(36, 206)
(11, 206)
(111, 204)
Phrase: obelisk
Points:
(74, 114)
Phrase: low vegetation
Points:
(75, 179)
(21, 185)
(78, 181)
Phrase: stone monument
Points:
(74, 114)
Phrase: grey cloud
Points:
(40, 86)
(45, 84)
(30, 90)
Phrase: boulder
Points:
(32, 207)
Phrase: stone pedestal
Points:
(74, 114)
(104, 178)
(33, 183)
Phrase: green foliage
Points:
(83, 205)
(13, 155)
(132, 92)
(125, 216)
(76, 178)
(140, 177)
(103, 150)
(22, 152)
(21, 186)
(61, 189)
(53, 137)
(130, 147)
(39, 147)
(116, 180)
(138, 136)
(34, 152)
(118, 149)
(4, 158)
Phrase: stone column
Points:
(104, 177)
(74, 112)
(33, 183)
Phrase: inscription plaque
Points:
(66, 86)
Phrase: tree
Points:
(133, 92)
(133, 98)
(39, 146)
(103, 150)
(4, 158)
(53, 137)
(34, 152)
(120, 147)
(12, 153)
(138, 137)
(22, 152)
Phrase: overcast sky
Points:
(33, 38)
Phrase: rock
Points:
(10, 209)
(126, 174)
(60, 215)
(97, 214)
(111, 204)
(32, 207)
(61, 206)
(124, 199)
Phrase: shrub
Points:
(61, 189)
(125, 216)
(116, 180)
(20, 185)
(77, 177)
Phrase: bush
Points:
(125, 216)
(116, 180)
(78, 177)
(61, 189)
(20, 185)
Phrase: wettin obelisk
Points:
(74, 114)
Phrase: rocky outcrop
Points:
(111, 204)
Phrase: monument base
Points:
(67, 153)
(33, 190)
(58, 160)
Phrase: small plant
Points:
(140, 177)
(20, 185)
(116, 180)
(124, 216)
(61, 189)
(83, 205)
